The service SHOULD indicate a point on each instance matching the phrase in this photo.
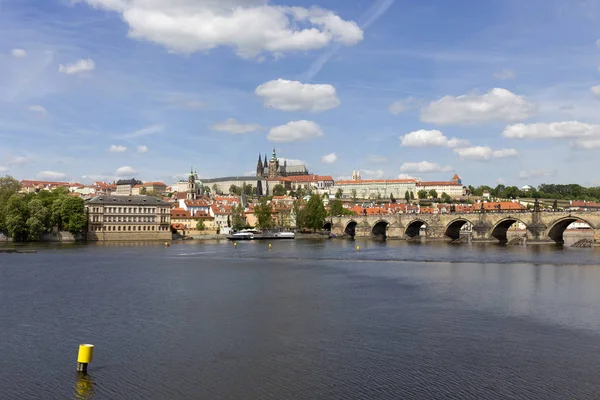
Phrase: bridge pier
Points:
(395, 230)
(363, 230)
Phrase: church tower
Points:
(273, 165)
(260, 170)
(192, 192)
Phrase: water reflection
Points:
(84, 386)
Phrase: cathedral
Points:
(273, 169)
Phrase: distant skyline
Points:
(501, 91)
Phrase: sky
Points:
(498, 91)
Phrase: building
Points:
(318, 183)
(28, 186)
(374, 188)
(274, 169)
(154, 188)
(128, 218)
(184, 222)
(452, 188)
(125, 186)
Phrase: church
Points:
(273, 169)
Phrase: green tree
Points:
(206, 191)
(314, 213)
(297, 211)
(38, 221)
(422, 194)
(200, 225)
(336, 208)
(279, 190)
(353, 194)
(237, 217)
(433, 193)
(8, 187)
(235, 190)
(407, 196)
(392, 198)
(300, 192)
(247, 189)
(16, 217)
(339, 194)
(446, 198)
(73, 214)
(143, 191)
(263, 212)
(229, 221)
(215, 189)
(412, 195)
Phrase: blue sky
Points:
(497, 91)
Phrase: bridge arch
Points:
(500, 230)
(558, 227)
(453, 228)
(379, 229)
(327, 226)
(350, 228)
(413, 229)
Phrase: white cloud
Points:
(125, 171)
(553, 130)
(504, 74)
(3, 168)
(484, 153)
(375, 159)
(596, 90)
(287, 95)
(50, 175)
(586, 144)
(400, 106)
(117, 149)
(424, 167)
(142, 149)
(249, 26)
(149, 130)
(295, 131)
(329, 158)
(496, 105)
(17, 160)
(18, 53)
(537, 173)
(232, 126)
(407, 176)
(372, 173)
(78, 67)
(38, 109)
(430, 138)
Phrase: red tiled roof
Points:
(583, 203)
(45, 183)
(347, 182)
(154, 184)
(439, 183)
(196, 203)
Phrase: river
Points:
(302, 320)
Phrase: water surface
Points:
(302, 320)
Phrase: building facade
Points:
(452, 188)
(125, 186)
(372, 189)
(273, 168)
(128, 218)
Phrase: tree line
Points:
(543, 191)
(28, 216)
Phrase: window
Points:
(152, 228)
(129, 228)
(119, 228)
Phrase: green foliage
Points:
(353, 194)
(314, 213)
(200, 225)
(300, 193)
(407, 196)
(279, 190)
(237, 217)
(206, 191)
(433, 193)
(235, 190)
(263, 213)
(422, 194)
(143, 191)
(28, 217)
(336, 208)
(339, 194)
(248, 190)
(446, 198)
(298, 212)
(73, 214)
(412, 195)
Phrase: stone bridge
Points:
(541, 226)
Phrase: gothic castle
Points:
(273, 169)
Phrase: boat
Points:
(255, 235)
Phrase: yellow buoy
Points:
(357, 248)
(269, 244)
(85, 356)
(234, 244)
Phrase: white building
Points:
(452, 188)
(375, 188)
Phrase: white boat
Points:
(244, 235)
